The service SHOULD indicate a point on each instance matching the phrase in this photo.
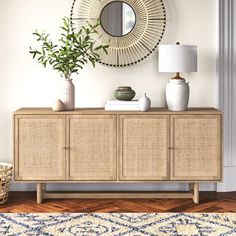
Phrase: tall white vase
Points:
(177, 94)
(68, 94)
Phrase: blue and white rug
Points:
(106, 224)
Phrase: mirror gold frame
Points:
(133, 47)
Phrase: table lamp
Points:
(177, 58)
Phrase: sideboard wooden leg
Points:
(39, 193)
(196, 192)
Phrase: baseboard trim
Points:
(113, 187)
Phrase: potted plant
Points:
(73, 51)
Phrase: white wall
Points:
(25, 83)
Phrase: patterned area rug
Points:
(68, 224)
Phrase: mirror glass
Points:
(118, 18)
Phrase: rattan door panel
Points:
(196, 147)
(144, 142)
(92, 153)
(39, 142)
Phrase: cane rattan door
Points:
(196, 147)
(39, 147)
(144, 142)
(92, 147)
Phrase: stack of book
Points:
(115, 105)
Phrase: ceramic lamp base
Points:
(177, 94)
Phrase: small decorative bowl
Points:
(58, 105)
(124, 93)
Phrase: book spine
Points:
(122, 102)
(121, 108)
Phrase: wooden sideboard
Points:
(93, 145)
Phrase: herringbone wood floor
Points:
(209, 202)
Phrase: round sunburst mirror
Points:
(132, 28)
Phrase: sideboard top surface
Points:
(153, 111)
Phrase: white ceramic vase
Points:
(177, 94)
(144, 103)
(68, 94)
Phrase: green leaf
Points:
(73, 50)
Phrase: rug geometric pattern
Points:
(118, 224)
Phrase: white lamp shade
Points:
(177, 58)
